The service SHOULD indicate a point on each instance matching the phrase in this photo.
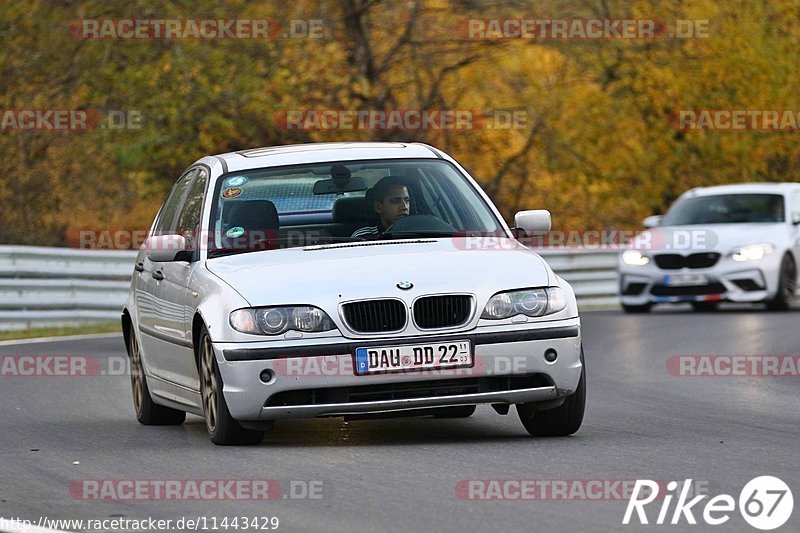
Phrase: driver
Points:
(390, 201)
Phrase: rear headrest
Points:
(353, 210)
(253, 215)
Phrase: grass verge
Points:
(104, 327)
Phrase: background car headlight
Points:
(753, 252)
(277, 320)
(632, 257)
(530, 302)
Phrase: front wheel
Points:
(787, 283)
(561, 421)
(222, 428)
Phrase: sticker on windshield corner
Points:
(232, 192)
(236, 231)
(236, 181)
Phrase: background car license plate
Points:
(412, 357)
(681, 280)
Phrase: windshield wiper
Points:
(295, 243)
(420, 233)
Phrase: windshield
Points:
(348, 201)
(726, 209)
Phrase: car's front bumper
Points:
(745, 282)
(316, 379)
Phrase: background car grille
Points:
(445, 311)
(373, 316)
(676, 261)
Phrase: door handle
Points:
(139, 267)
(157, 274)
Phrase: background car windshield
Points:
(305, 205)
(726, 209)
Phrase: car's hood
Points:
(712, 237)
(337, 273)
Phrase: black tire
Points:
(787, 283)
(222, 428)
(458, 411)
(637, 309)
(147, 411)
(705, 306)
(561, 421)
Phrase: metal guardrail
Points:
(45, 287)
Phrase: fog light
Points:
(267, 375)
(550, 355)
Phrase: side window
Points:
(188, 223)
(165, 224)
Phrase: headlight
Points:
(277, 320)
(753, 252)
(632, 257)
(530, 302)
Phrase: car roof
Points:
(745, 188)
(295, 154)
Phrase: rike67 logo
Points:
(765, 503)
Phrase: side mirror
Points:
(795, 218)
(164, 248)
(652, 221)
(534, 222)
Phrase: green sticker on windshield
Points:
(236, 231)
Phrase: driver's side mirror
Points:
(795, 218)
(533, 222)
(652, 221)
(166, 248)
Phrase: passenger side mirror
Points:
(533, 222)
(166, 248)
(652, 221)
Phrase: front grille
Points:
(698, 290)
(703, 260)
(677, 261)
(375, 316)
(407, 390)
(433, 312)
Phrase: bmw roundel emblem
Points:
(405, 285)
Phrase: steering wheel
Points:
(420, 224)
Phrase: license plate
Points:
(683, 280)
(413, 357)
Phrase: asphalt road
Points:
(402, 474)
